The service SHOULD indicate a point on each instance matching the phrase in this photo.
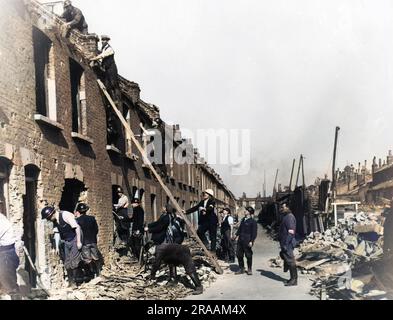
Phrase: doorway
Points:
(71, 194)
(29, 220)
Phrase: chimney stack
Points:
(390, 158)
(374, 166)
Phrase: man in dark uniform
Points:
(138, 220)
(91, 256)
(74, 18)
(70, 233)
(207, 219)
(108, 64)
(159, 228)
(174, 255)
(245, 236)
(287, 243)
(227, 236)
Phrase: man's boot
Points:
(198, 285)
(71, 279)
(172, 275)
(241, 271)
(249, 265)
(79, 276)
(293, 281)
(241, 266)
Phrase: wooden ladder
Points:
(146, 160)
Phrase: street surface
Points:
(266, 283)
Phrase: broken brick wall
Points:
(24, 141)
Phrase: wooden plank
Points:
(367, 228)
(307, 265)
(158, 177)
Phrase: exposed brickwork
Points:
(58, 156)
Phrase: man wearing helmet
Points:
(70, 233)
(74, 18)
(246, 235)
(207, 218)
(90, 253)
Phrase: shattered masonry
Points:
(51, 153)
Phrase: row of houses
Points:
(54, 141)
(372, 185)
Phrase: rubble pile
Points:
(341, 257)
(276, 262)
(357, 238)
(123, 278)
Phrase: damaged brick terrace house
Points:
(53, 137)
(368, 185)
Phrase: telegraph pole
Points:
(334, 165)
(293, 169)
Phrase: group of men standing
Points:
(78, 247)
(76, 240)
(245, 236)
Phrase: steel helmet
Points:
(82, 208)
(250, 210)
(47, 212)
(210, 192)
(228, 210)
(67, 3)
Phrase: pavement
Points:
(266, 283)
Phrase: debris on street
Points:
(339, 257)
(125, 279)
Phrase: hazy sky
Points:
(290, 71)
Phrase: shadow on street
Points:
(271, 275)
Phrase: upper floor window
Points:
(44, 60)
(128, 140)
(78, 98)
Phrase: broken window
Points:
(115, 135)
(141, 197)
(44, 60)
(29, 219)
(135, 192)
(3, 186)
(128, 140)
(115, 195)
(153, 204)
(72, 192)
(78, 96)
